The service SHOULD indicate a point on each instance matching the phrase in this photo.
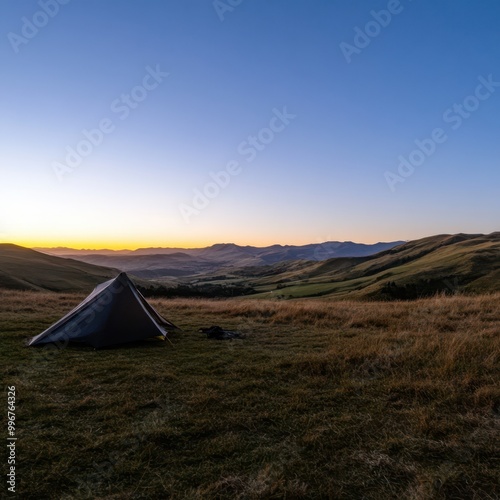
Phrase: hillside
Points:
(443, 263)
(467, 263)
(25, 269)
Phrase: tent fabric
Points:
(114, 313)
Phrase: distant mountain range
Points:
(460, 263)
(156, 263)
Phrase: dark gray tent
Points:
(114, 313)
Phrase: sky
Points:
(186, 123)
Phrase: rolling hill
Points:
(25, 269)
(444, 263)
(466, 263)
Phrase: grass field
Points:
(321, 399)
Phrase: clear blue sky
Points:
(327, 172)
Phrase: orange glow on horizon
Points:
(106, 245)
(122, 244)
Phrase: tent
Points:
(114, 313)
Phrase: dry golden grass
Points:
(321, 399)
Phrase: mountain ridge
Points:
(216, 246)
(156, 263)
(445, 263)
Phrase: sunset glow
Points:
(272, 126)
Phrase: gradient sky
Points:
(323, 177)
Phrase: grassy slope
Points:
(25, 269)
(322, 399)
(466, 263)
(469, 263)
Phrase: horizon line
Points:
(133, 249)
